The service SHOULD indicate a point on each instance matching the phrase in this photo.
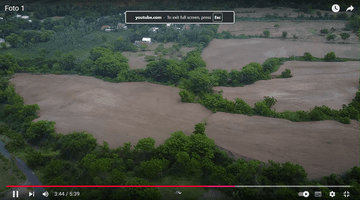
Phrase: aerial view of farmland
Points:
(216, 100)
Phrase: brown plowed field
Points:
(322, 147)
(112, 112)
(123, 112)
(236, 53)
(313, 84)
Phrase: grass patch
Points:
(10, 174)
(312, 31)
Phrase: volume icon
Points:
(45, 194)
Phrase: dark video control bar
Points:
(180, 17)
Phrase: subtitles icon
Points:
(317, 193)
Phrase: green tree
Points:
(194, 59)
(331, 37)
(330, 56)
(86, 67)
(55, 168)
(178, 142)
(110, 66)
(202, 145)
(68, 61)
(14, 40)
(96, 166)
(175, 71)
(287, 174)
(266, 33)
(222, 75)
(146, 144)
(143, 47)
(199, 129)
(251, 73)
(344, 36)
(117, 177)
(98, 52)
(35, 159)
(40, 130)
(187, 96)
(324, 31)
(200, 80)
(154, 167)
(286, 74)
(308, 57)
(76, 145)
(8, 62)
(123, 44)
(137, 192)
(157, 70)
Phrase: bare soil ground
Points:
(236, 53)
(261, 12)
(322, 148)
(306, 31)
(313, 84)
(139, 62)
(112, 112)
(123, 112)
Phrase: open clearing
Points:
(112, 112)
(306, 31)
(322, 147)
(236, 53)
(137, 60)
(123, 112)
(313, 84)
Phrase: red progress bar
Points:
(120, 186)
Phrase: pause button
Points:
(15, 194)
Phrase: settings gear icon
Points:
(332, 194)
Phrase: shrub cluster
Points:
(324, 31)
(266, 33)
(286, 74)
(331, 37)
(308, 57)
(330, 56)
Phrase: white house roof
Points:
(146, 39)
(2, 40)
(1, 18)
(30, 20)
(154, 29)
(18, 15)
(108, 29)
(25, 17)
(168, 24)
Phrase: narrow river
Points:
(31, 178)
